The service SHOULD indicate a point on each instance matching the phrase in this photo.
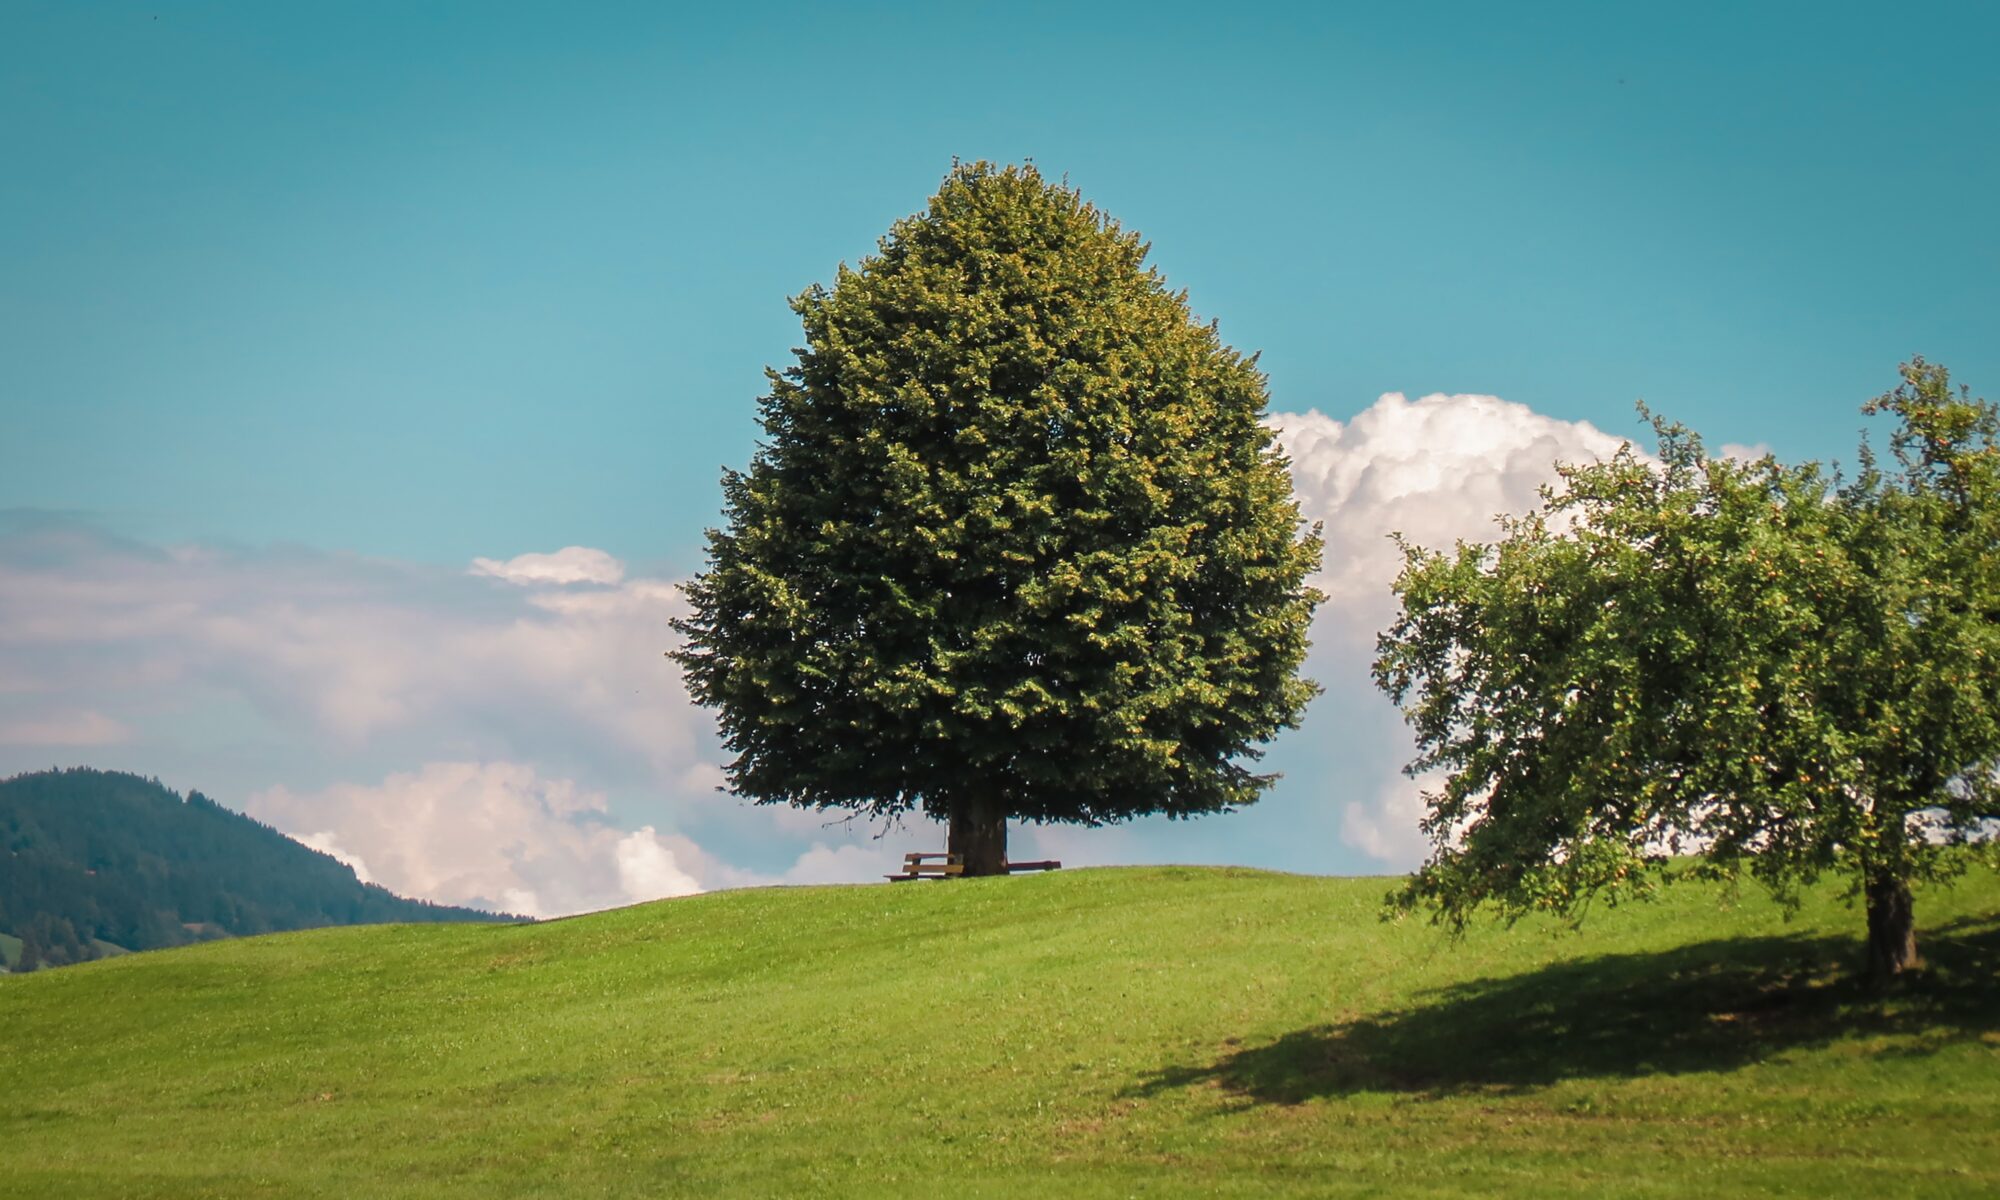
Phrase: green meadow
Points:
(1145, 1031)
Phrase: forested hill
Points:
(94, 862)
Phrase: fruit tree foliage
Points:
(1778, 671)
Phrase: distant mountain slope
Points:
(96, 861)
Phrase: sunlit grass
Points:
(1158, 1031)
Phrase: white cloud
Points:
(1386, 826)
(492, 834)
(1436, 470)
(501, 835)
(648, 869)
(571, 564)
(326, 842)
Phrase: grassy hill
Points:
(1114, 1032)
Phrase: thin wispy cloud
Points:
(571, 564)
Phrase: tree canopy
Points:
(1776, 670)
(1015, 543)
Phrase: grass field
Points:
(1153, 1031)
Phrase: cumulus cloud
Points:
(326, 842)
(571, 564)
(1385, 827)
(648, 869)
(496, 835)
(1437, 470)
(503, 836)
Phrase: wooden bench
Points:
(930, 866)
(925, 865)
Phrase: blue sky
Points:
(410, 284)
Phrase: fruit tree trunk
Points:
(1892, 927)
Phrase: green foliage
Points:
(99, 856)
(1016, 533)
(1756, 663)
(1154, 1032)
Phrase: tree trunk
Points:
(979, 833)
(1892, 927)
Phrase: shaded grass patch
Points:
(1708, 1006)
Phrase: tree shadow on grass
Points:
(1709, 1006)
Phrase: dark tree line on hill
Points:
(89, 857)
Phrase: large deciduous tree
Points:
(1761, 665)
(1015, 543)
